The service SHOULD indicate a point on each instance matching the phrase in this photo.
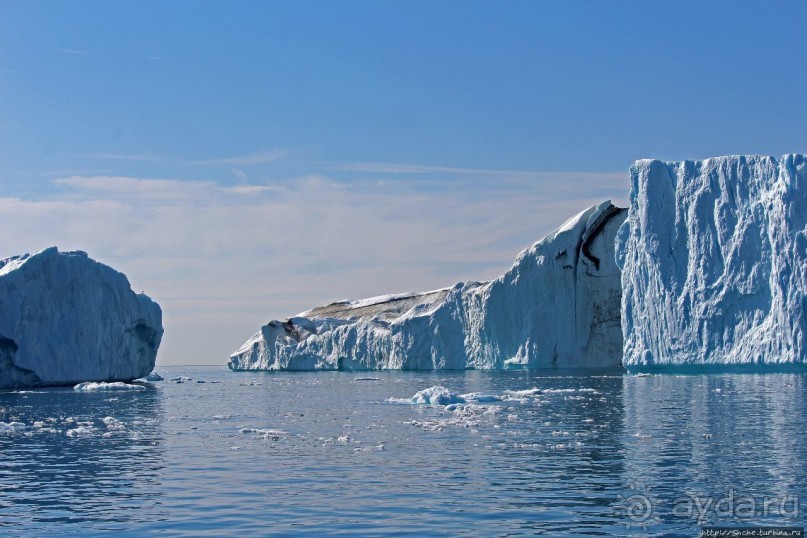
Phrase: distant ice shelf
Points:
(67, 319)
(558, 306)
(714, 264)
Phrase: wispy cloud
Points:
(251, 189)
(116, 187)
(260, 157)
(145, 157)
(409, 169)
(113, 186)
(73, 51)
(249, 159)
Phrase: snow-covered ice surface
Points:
(714, 263)
(288, 453)
(65, 319)
(558, 306)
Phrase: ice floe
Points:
(91, 386)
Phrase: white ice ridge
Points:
(558, 306)
(65, 318)
(714, 263)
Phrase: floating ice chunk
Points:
(91, 386)
(11, 427)
(113, 423)
(521, 394)
(261, 433)
(153, 376)
(81, 431)
(480, 397)
(181, 379)
(436, 395)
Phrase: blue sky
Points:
(242, 161)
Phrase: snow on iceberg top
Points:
(384, 307)
(12, 263)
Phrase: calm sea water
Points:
(335, 453)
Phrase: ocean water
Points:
(341, 453)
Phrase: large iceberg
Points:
(65, 318)
(558, 306)
(714, 263)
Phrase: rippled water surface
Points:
(340, 453)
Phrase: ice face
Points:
(714, 263)
(65, 318)
(557, 306)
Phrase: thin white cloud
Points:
(260, 157)
(250, 189)
(142, 188)
(145, 157)
(395, 169)
(240, 175)
(250, 159)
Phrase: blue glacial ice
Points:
(65, 319)
(714, 263)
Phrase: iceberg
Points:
(714, 263)
(558, 306)
(437, 395)
(67, 319)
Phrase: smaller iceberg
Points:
(65, 318)
(437, 395)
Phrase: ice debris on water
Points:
(436, 395)
(11, 427)
(263, 433)
(91, 386)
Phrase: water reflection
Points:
(197, 457)
(715, 437)
(81, 458)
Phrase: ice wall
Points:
(65, 318)
(714, 263)
(557, 307)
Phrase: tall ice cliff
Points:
(558, 306)
(714, 263)
(65, 318)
